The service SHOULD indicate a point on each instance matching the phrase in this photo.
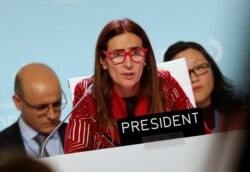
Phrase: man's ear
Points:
(17, 101)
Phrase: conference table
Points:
(211, 153)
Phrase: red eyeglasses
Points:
(136, 55)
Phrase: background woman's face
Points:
(126, 76)
(203, 84)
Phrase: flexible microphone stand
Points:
(89, 90)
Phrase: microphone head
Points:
(90, 88)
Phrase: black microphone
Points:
(87, 92)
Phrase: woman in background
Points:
(212, 91)
(126, 83)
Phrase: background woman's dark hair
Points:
(223, 93)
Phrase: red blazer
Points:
(82, 132)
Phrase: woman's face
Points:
(126, 74)
(203, 83)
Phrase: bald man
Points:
(39, 98)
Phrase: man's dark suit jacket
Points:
(11, 138)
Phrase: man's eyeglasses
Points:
(200, 69)
(44, 108)
(117, 57)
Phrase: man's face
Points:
(40, 105)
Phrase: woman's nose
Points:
(193, 76)
(128, 62)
